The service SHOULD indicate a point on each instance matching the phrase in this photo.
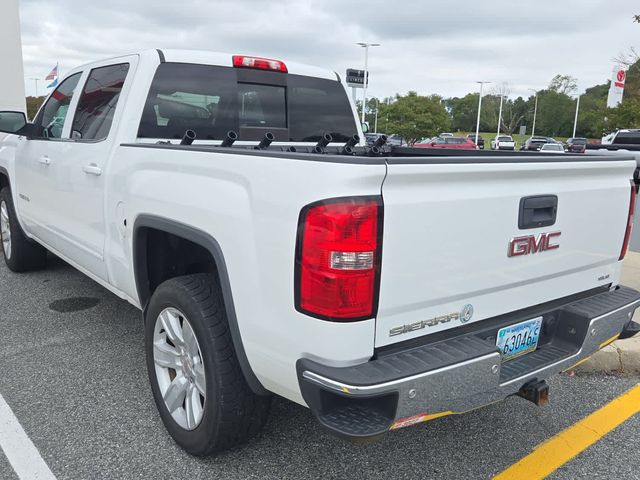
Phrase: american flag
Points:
(53, 74)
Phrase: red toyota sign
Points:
(621, 76)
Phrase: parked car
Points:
(607, 139)
(480, 142)
(395, 140)
(392, 140)
(627, 136)
(457, 143)
(379, 291)
(534, 143)
(371, 137)
(503, 142)
(552, 148)
(576, 145)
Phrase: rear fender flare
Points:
(213, 247)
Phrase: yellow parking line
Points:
(558, 450)
(607, 342)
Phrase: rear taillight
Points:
(242, 61)
(627, 233)
(338, 258)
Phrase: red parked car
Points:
(459, 143)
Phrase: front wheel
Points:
(198, 386)
(20, 253)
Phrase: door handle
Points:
(44, 160)
(92, 169)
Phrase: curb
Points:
(622, 356)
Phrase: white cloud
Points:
(429, 46)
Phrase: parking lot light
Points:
(535, 112)
(366, 73)
(575, 121)
(481, 82)
(375, 124)
(500, 114)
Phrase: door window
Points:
(98, 102)
(51, 117)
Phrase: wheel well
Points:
(4, 180)
(162, 255)
(163, 249)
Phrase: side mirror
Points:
(12, 122)
(433, 144)
(365, 127)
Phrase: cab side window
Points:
(50, 119)
(97, 104)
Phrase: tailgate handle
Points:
(537, 211)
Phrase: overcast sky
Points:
(429, 46)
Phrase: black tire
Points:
(25, 254)
(232, 412)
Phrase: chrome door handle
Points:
(92, 169)
(44, 160)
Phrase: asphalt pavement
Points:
(77, 382)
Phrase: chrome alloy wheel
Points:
(5, 229)
(179, 368)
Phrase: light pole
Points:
(575, 121)
(366, 72)
(36, 82)
(500, 114)
(479, 109)
(375, 123)
(535, 112)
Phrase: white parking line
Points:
(19, 449)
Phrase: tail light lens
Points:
(627, 233)
(338, 258)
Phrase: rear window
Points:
(578, 141)
(505, 139)
(213, 100)
(628, 138)
(553, 146)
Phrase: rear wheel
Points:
(198, 386)
(20, 253)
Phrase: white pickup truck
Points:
(271, 252)
(503, 142)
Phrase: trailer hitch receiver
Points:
(536, 391)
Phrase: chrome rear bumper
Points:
(457, 374)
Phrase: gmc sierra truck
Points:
(271, 251)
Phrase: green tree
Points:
(593, 105)
(515, 113)
(564, 84)
(414, 116)
(33, 104)
(555, 114)
(625, 115)
(632, 82)
(463, 112)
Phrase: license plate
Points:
(519, 339)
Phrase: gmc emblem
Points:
(532, 244)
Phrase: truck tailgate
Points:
(448, 229)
